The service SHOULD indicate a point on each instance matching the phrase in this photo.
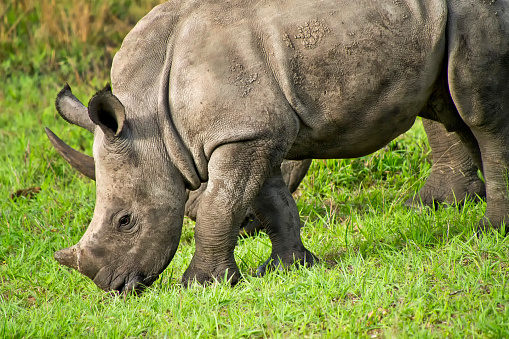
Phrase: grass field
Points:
(386, 271)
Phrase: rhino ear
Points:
(107, 112)
(72, 110)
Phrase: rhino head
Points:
(140, 196)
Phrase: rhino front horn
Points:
(68, 257)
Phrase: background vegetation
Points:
(386, 271)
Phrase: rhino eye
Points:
(124, 220)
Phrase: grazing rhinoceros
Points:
(221, 92)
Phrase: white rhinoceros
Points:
(222, 91)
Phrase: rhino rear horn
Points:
(79, 161)
(72, 110)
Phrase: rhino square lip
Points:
(130, 284)
(134, 285)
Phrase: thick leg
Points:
(453, 176)
(236, 175)
(293, 172)
(278, 214)
(478, 80)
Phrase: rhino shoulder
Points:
(142, 54)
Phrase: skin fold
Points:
(453, 175)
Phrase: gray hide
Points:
(454, 175)
(222, 92)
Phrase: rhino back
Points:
(137, 66)
(331, 72)
(356, 73)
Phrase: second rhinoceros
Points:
(221, 92)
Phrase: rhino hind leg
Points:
(294, 171)
(478, 80)
(454, 175)
(278, 213)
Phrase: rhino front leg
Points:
(293, 172)
(453, 175)
(236, 174)
(278, 213)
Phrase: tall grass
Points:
(69, 38)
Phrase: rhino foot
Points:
(281, 263)
(448, 188)
(493, 222)
(205, 274)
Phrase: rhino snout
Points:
(135, 284)
(123, 281)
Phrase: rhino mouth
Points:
(134, 283)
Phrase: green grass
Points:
(385, 270)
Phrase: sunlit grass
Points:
(72, 38)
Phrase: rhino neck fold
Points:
(177, 151)
(179, 154)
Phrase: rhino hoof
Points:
(485, 226)
(269, 265)
(306, 259)
(193, 274)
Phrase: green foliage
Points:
(72, 38)
(385, 270)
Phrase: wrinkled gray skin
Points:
(454, 175)
(293, 172)
(222, 92)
